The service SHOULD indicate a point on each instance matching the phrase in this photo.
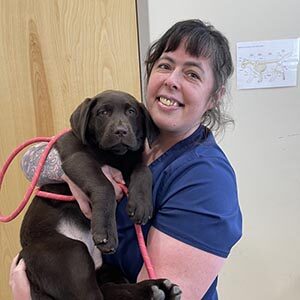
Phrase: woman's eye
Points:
(163, 66)
(193, 75)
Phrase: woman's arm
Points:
(52, 171)
(192, 269)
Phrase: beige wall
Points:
(264, 149)
(54, 54)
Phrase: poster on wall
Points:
(267, 64)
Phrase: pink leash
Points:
(51, 141)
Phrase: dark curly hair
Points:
(200, 39)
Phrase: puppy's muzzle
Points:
(120, 131)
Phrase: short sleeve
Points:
(199, 204)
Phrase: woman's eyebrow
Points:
(166, 57)
(194, 64)
(190, 63)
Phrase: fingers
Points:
(13, 266)
(84, 205)
(115, 177)
(82, 199)
(113, 174)
(18, 280)
(16, 269)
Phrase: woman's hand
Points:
(18, 280)
(81, 198)
(116, 178)
(112, 174)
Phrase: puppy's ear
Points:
(152, 130)
(79, 119)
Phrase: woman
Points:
(197, 218)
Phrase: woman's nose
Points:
(173, 80)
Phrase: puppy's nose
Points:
(120, 131)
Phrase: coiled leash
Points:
(51, 141)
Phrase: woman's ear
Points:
(216, 97)
(219, 94)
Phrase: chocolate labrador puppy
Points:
(61, 248)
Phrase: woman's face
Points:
(179, 91)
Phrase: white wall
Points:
(264, 149)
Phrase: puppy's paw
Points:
(106, 239)
(106, 245)
(139, 209)
(172, 291)
(162, 289)
(158, 294)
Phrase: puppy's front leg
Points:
(103, 223)
(86, 172)
(140, 207)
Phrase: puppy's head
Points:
(114, 121)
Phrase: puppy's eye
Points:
(131, 111)
(103, 112)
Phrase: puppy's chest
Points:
(74, 231)
(125, 163)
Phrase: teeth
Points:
(168, 102)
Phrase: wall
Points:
(264, 149)
(54, 54)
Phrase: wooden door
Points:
(53, 54)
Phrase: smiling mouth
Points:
(169, 102)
